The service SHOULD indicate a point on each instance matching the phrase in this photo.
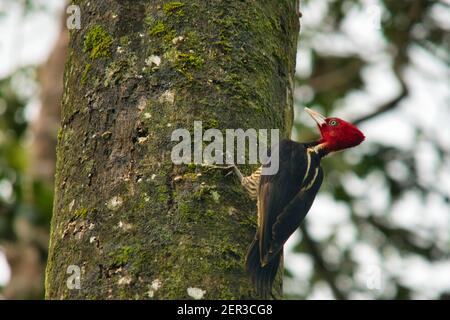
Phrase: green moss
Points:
(124, 41)
(192, 176)
(227, 247)
(121, 256)
(60, 134)
(121, 69)
(171, 55)
(162, 193)
(210, 124)
(158, 29)
(200, 194)
(149, 20)
(85, 75)
(192, 166)
(207, 262)
(81, 213)
(193, 40)
(97, 43)
(224, 44)
(174, 8)
(169, 36)
(186, 62)
(189, 60)
(185, 210)
(215, 196)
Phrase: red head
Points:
(336, 133)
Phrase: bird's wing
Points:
(292, 216)
(297, 180)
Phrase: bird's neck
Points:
(318, 146)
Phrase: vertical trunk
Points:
(137, 225)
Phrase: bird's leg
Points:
(236, 171)
(209, 167)
(250, 183)
(213, 166)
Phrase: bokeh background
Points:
(380, 227)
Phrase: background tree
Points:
(27, 173)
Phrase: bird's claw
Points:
(231, 172)
(213, 166)
(233, 169)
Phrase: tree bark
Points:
(137, 225)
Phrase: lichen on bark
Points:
(137, 225)
(97, 43)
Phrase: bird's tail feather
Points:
(261, 277)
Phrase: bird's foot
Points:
(214, 166)
(231, 168)
(209, 167)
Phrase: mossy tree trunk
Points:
(137, 225)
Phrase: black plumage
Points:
(284, 199)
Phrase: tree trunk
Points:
(135, 224)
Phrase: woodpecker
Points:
(284, 198)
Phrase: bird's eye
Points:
(333, 123)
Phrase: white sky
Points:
(5, 272)
(25, 41)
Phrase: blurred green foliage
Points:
(25, 201)
(21, 195)
(333, 77)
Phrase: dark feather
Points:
(261, 277)
(284, 199)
